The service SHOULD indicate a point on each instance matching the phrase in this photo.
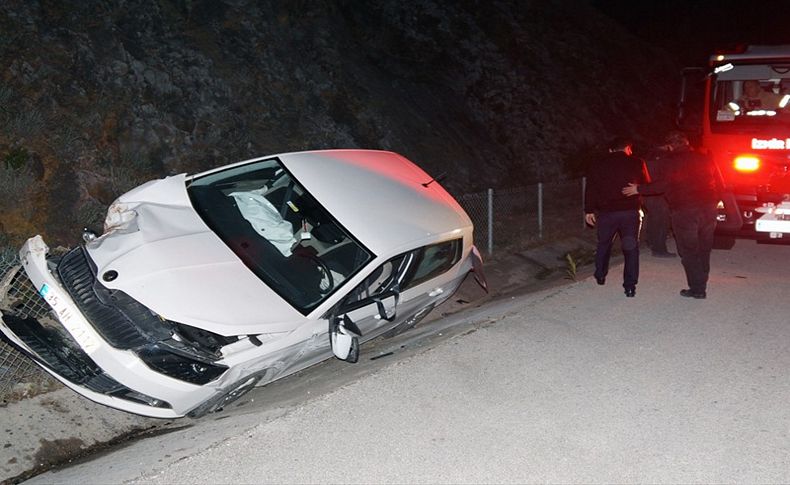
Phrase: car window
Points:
(279, 231)
(407, 270)
(385, 278)
(434, 260)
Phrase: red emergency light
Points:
(746, 163)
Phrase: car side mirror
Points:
(344, 338)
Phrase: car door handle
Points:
(436, 291)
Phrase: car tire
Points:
(410, 322)
(231, 394)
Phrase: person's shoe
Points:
(600, 281)
(663, 254)
(630, 292)
(693, 294)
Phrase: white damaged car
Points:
(202, 287)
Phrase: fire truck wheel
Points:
(723, 242)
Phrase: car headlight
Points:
(178, 366)
(120, 217)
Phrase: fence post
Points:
(584, 191)
(490, 221)
(540, 210)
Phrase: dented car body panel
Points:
(168, 258)
(204, 286)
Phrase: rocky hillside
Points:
(96, 97)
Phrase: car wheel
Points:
(231, 394)
(410, 322)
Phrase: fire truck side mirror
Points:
(691, 100)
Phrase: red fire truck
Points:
(739, 112)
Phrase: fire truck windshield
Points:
(748, 98)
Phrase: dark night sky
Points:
(691, 30)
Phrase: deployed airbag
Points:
(265, 219)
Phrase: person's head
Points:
(677, 140)
(751, 88)
(622, 144)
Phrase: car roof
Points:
(378, 196)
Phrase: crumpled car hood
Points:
(171, 262)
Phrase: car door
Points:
(374, 304)
(393, 294)
(429, 281)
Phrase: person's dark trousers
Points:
(693, 230)
(656, 222)
(626, 225)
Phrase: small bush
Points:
(571, 269)
(16, 158)
(131, 170)
(26, 123)
(16, 184)
(91, 215)
(5, 96)
(8, 252)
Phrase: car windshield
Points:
(278, 230)
(751, 97)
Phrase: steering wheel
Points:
(327, 282)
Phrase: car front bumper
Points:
(63, 341)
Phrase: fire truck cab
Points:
(741, 118)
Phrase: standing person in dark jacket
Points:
(655, 226)
(614, 213)
(692, 187)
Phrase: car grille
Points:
(54, 348)
(61, 354)
(127, 324)
(119, 319)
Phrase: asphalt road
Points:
(574, 384)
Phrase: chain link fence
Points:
(503, 218)
(19, 376)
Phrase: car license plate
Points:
(67, 318)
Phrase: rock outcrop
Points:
(96, 97)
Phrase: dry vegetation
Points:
(96, 98)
